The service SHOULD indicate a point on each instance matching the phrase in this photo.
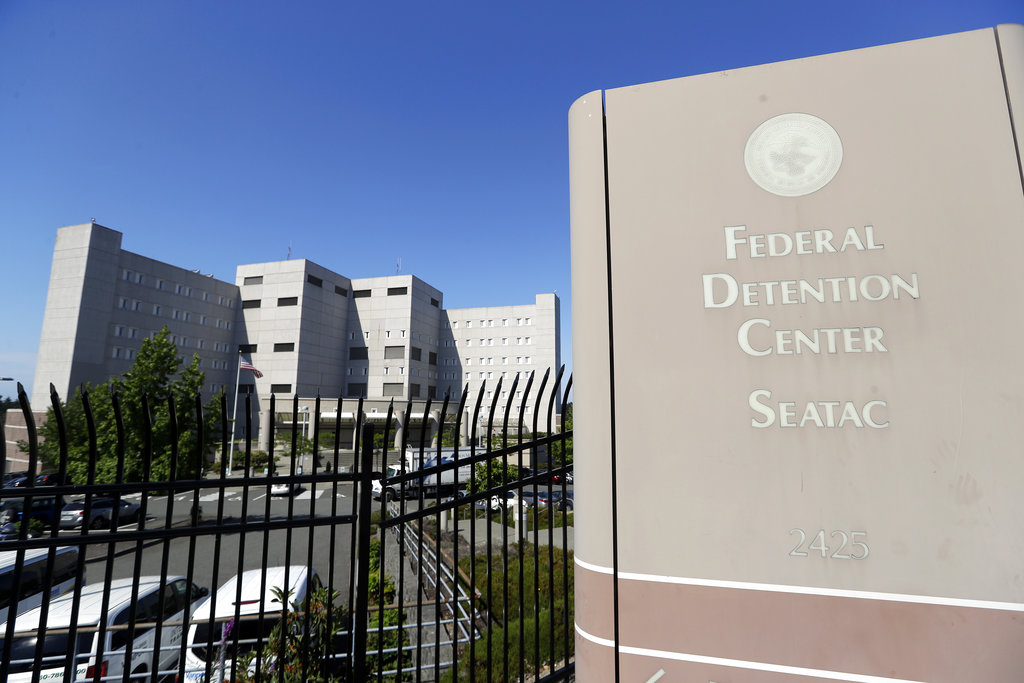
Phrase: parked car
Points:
(13, 475)
(51, 479)
(179, 596)
(44, 508)
(557, 478)
(498, 502)
(252, 618)
(102, 513)
(282, 488)
(17, 482)
(8, 476)
(556, 499)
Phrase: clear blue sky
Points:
(218, 133)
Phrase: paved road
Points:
(215, 557)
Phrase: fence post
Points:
(359, 616)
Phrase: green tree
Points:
(158, 374)
(558, 455)
(500, 471)
(5, 405)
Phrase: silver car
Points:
(102, 513)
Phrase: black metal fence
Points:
(461, 571)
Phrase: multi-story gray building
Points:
(309, 330)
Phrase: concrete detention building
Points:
(305, 327)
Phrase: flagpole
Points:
(234, 414)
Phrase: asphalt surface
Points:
(216, 555)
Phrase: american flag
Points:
(246, 365)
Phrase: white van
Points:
(206, 644)
(179, 595)
(36, 578)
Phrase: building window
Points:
(314, 280)
(280, 388)
(393, 352)
(177, 314)
(504, 341)
(356, 390)
(397, 291)
(137, 305)
(358, 353)
(360, 294)
(245, 348)
(469, 375)
(414, 391)
(526, 339)
(118, 331)
(253, 280)
(387, 334)
(469, 323)
(393, 389)
(288, 301)
(469, 342)
(403, 334)
(435, 303)
(432, 358)
(202, 344)
(159, 284)
(401, 370)
(455, 324)
(415, 353)
(387, 370)
(340, 290)
(251, 303)
(284, 346)
(156, 310)
(504, 322)
(504, 360)
(468, 362)
(115, 352)
(527, 321)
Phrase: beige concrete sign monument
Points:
(799, 369)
